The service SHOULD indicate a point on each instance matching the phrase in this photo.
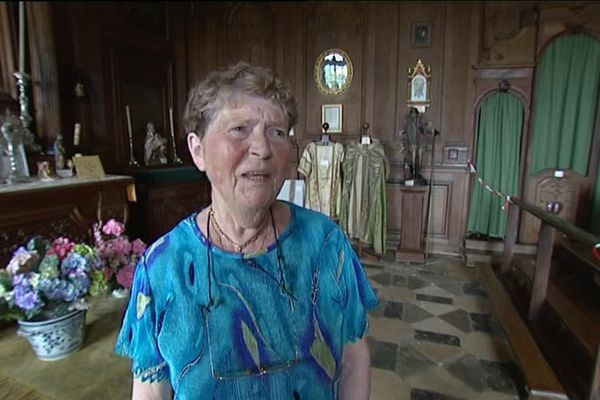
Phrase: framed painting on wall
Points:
(420, 34)
(332, 115)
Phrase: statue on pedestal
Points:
(155, 147)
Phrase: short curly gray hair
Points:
(207, 98)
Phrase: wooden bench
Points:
(580, 318)
(541, 380)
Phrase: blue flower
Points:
(74, 264)
(26, 296)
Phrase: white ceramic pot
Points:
(55, 338)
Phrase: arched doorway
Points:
(498, 162)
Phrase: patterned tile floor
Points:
(434, 336)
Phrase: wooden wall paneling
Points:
(91, 62)
(203, 39)
(334, 25)
(301, 79)
(249, 33)
(456, 73)
(179, 78)
(450, 189)
(381, 73)
(454, 98)
(290, 66)
(44, 90)
(368, 67)
(393, 198)
(438, 222)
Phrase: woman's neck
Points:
(240, 232)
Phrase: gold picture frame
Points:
(419, 86)
(88, 167)
(333, 72)
(332, 114)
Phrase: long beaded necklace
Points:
(248, 261)
(236, 246)
(262, 370)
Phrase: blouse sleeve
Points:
(347, 286)
(138, 337)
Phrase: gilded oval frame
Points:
(330, 88)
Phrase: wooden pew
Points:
(541, 380)
(581, 319)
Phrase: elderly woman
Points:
(250, 298)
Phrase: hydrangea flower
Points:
(118, 254)
(47, 277)
(113, 227)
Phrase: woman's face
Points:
(245, 152)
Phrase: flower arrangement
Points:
(118, 255)
(45, 279)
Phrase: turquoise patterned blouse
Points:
(222, 325)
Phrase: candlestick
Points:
(76, 134)
(176, 159)
(132, 160)
(22, 37)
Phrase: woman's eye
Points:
(278, 132)
(238, 129)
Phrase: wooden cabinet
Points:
(165, 197)
(413, 202)
(64, 207)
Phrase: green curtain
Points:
(594, 227)
(566, 101)
(498, 161)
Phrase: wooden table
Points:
(61, 207)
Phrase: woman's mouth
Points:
(256, 176)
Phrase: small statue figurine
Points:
(59, 153)
(155, 147)
(44, 171)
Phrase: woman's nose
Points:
(260, 145)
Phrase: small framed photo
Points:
(332, 114)
(88, 167)
(420, 34)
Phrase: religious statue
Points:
(413, 144)
(413, 138)
(59, 153)
(155, 147)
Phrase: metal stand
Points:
(25, 117)
(176, 159)
(434, 133)
(132, 161)
(9, 133)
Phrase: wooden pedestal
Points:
(413, 203)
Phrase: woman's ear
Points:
(196, 147)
